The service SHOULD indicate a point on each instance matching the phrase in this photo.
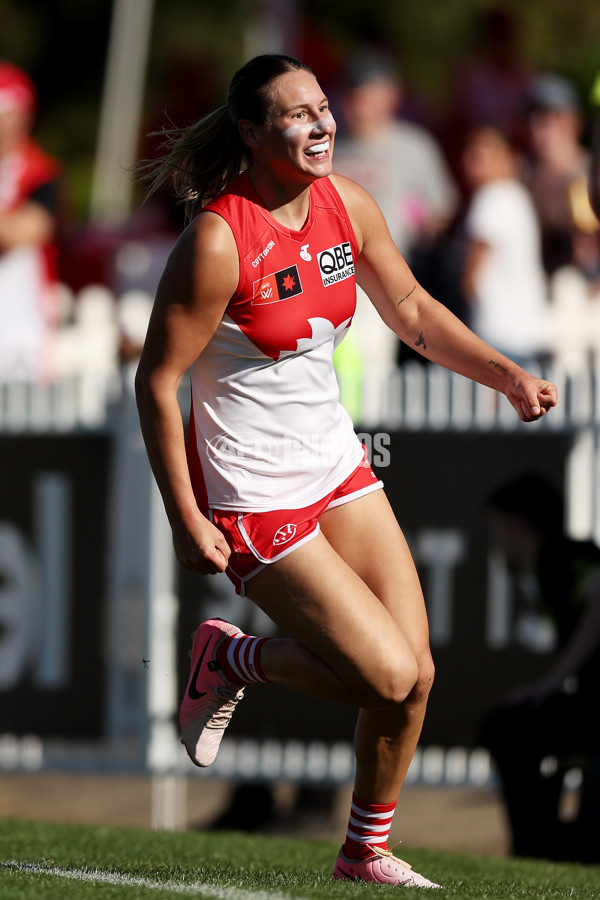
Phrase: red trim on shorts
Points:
(258, 539)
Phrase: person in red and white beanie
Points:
(28, 225)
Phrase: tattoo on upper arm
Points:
(412, 290)
(498, 365)
(420, 342)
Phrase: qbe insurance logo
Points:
(336, 264)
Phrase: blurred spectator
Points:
(401, 165)
(28, 222)
(504, 278)
(543, 728)
(557, 167)
(398, 162)
(490, 86)
(559, 173)
(587, 235)
(594, 172)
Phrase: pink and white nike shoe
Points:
(383, 868)
(210, 698)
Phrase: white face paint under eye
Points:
(305, 129)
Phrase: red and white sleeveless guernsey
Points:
(267, 430)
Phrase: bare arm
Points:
(199, 279)
(425, 324)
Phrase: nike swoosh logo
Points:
(346, 874)
(194, 694)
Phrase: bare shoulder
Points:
(207, 236)
(364, 212)
(205, 255)
(197, 284)
(354, 196)
(380, 268)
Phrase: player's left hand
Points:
(532, 397)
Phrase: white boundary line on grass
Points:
(97, 876)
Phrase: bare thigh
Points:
(339, 599)
(366, 534)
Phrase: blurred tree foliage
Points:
(196, 45)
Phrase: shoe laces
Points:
(388, 853)
(226, 702)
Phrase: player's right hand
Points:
(201, 547)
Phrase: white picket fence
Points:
(411, 397)
(71, 404)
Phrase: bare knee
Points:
(422, 687)
(406, 680)
(391, 682)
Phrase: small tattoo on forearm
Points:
(412, 290)
(421, 342)
(497, 365)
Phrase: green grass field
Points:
(70, 862)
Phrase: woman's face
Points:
(299, 132)
(486, 157)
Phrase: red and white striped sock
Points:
(239, 658)
(369, 823)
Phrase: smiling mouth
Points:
(318, 151)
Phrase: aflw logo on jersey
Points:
(277, 286)
(336, 263)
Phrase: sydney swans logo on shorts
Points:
(284, 534)
(277, 286)
(336, 264)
